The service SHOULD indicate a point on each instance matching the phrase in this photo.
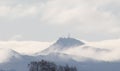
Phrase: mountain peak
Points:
(62, 43)
(67, 42)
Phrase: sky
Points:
(47, 20)
(39, 23)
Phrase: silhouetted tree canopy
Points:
(49, 66)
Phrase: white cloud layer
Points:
(108, 50)
(25, 47)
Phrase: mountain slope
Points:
(10, 60)
(62, 44)
(65, 51)
(8, 54)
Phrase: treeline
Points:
(49, 66)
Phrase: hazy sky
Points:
(46, 20)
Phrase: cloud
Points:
(108, 50)
(17, 11)
(89, 19)
(16, 37)
(25, 47)
(112, 45)
(94, 18)
(86, 14)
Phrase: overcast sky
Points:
(46, 20)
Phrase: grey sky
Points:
(46, 20)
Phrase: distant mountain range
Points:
(63, 51)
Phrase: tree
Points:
(48, 66)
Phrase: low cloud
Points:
(108, 50)
(25, 47)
